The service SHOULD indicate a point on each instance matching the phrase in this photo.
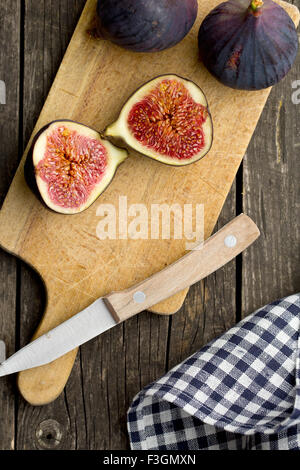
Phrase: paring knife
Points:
(116, 307)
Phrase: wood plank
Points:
(48, 30)
(271, 191)
(7, 334)
(9, 125)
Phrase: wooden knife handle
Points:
(209, 256)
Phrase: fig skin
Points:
(31, 178)
(119, 133)
(248, 45)
(145, 25)
(29, 173)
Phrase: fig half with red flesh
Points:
(248, 45)
(72, 165)
(166, 119)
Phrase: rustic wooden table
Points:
(91, 412)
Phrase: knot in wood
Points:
(49, 434)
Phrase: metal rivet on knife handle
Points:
(139, 297)
(230, 241)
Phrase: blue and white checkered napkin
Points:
(241, 391)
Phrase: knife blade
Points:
(116, 307)
(82, 327)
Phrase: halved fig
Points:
(166, 119)
(71, 165)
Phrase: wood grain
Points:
(9, 151)
(66, 252)
(91, 413)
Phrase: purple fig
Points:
(248, 45)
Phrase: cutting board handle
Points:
(203, 260)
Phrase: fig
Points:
(145, 25)
(248, 46)
(70, 165)
(166, 119)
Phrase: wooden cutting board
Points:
(93, 82)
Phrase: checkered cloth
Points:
(241, 391)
